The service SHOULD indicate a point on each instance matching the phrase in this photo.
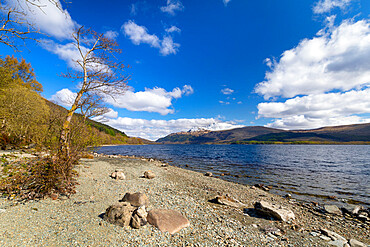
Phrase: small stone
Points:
(274, 211)
(332, 235)
(119, 214)
(315, 234)
(288, 196)
(54, 196)
(119, 175)
(149, 174)
(351, 209)
(325, 238)
(167, 220)
(228, 201)
(208, 174)
(136, 199)
(2, 210)
(338, 243)
(356, 243)
(332, 209)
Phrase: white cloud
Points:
(110, 114)
(318, 110)
(226, 2)
(172, 6)
(227, 91)
(327, 79)
(154, 129)
(50, 18)
(67, 52)
(151, 100)
(133, 9)
(337, 59)
(168, 46)
(173, 29)
(70, 54)
(111, 34)
(324, 6)
(64, 97)
(139, 34)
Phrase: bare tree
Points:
(14, 23)
(97, 75)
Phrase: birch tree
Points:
(97, 75)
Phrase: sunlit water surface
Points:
(309, 172)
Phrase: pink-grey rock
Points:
(275, 211)
(136, 199)
(167, 220)
(119, 213)
(149, 174)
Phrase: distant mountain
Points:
(257, 134)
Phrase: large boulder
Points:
(119, 214)
(136, 199)
(275, 211)
(167, 220)
(139, 217)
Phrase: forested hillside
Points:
(27, 118)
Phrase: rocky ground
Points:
(78, 220)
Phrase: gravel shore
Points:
(77, 221)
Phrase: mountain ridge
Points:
(359, 133)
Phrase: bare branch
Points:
(100, 76)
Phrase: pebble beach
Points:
(78, 220)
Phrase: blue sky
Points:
(218, 64)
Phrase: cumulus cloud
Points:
(111, 34)
(64, 97)
(154, 129)
(50, 17)
(337, 59)
(227, 91)
(318, 110)
(139, 34)
(172, 6)
(326, 80)
(324, 6)
(226, 2)
(173, 29)
(151, 100)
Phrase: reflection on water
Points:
(342, 171)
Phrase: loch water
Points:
(308, 172)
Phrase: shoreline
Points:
(301, 196)
(77, 221)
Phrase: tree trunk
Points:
(64, 140)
